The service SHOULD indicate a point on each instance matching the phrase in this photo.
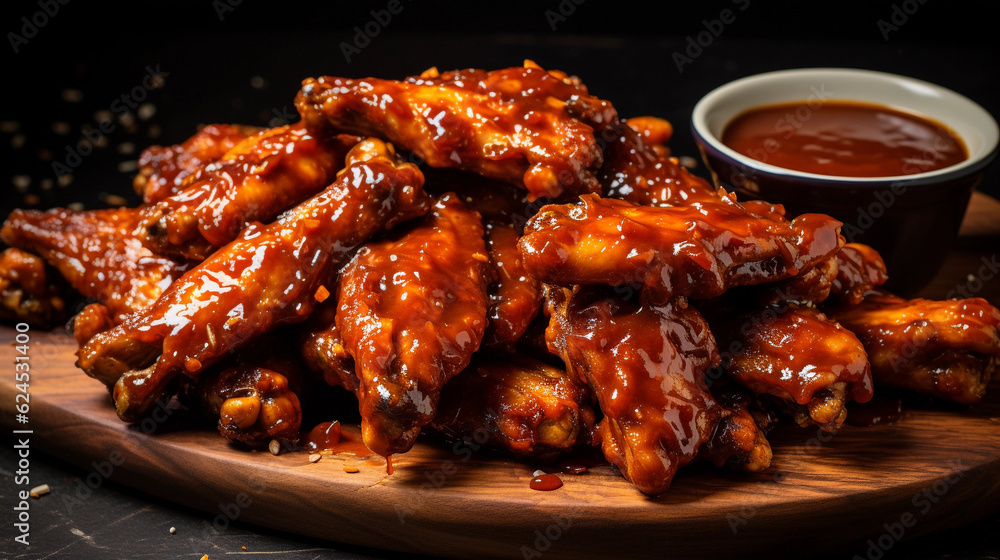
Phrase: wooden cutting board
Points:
(858, 491)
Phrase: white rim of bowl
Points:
(986, 122)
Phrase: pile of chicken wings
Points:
(492, 251)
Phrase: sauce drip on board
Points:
(325, 436)
(545, 482)
(843, 138)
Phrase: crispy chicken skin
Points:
(946, 349)
(29, 291)
(646, 365)
(739, 440)
(860, 269)
(526, 407)
(269, 276)
(798, 354)
(412, 310)
(97, 253)
(94, 318)
(165, 170)
(695, 251)
(525, 126)
(253, 182)
(253, 404)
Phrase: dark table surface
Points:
(228, 61)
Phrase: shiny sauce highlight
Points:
(844, 138)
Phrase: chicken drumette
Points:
(947, 349)
(646, 365)
(797, 354)
(521, 405)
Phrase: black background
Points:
(244, 63)
(624, 51)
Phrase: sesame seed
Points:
(115, 200)
(39, 491)
(539, 472)
(274, 447)
(146, 111)
(75, 206)
(128, 166)
(21, 182)
(173, 530)
(71, 95)
(315, 457)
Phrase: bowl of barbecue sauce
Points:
(894, 158)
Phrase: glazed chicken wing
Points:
(261, 176)
(523, 406)
(30, 291)
(697, 251)
(860, 269)
(165, 170)
(97, 253)
(515, 296)
(947, 349)
(270, 275)
(740, 438)
(799, 355)
(646, 365)
(412, 310)
(524, 126)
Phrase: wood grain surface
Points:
(859, 491)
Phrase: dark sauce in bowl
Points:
(844, 139)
